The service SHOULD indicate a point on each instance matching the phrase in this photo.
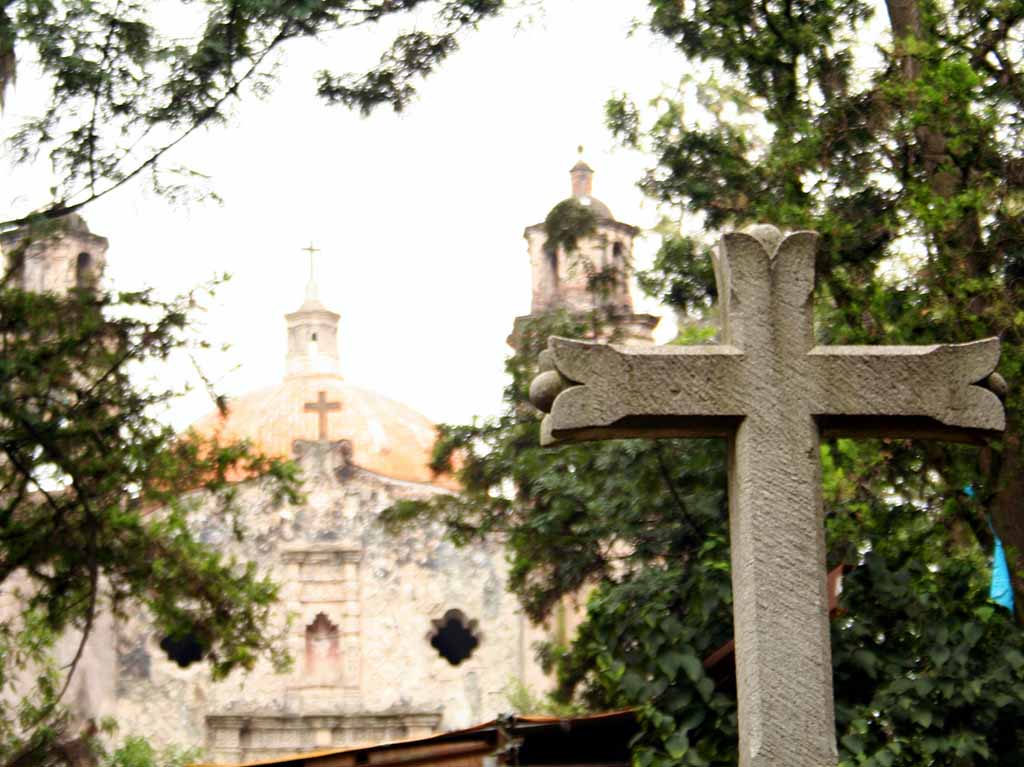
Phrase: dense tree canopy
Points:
(96, 500)
(907, 164)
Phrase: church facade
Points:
(393, 634)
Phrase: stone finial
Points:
(548, 383)
(769, 236)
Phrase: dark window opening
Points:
(83, 271)
(454, 637)
(313, 337)
(617, 251)
(184, 650)
(16, 269)
(552, 257)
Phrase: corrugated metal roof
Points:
(440, 737)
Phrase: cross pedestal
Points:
(771, 392)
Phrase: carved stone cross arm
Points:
(608, 392)
(771, 392)
(933, 392)
(766, 286)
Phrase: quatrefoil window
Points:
(184, 650)
(454, 636)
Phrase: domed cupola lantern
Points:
(312, 333)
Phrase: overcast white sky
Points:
(419, 217)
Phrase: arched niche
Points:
(85, 272)
(322, 647)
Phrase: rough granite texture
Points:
(771, 391)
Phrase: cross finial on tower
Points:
(311, 291)
(311, 249)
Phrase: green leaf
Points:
(939, 656)
(670, 663)
(693, 718)
(678, 744)
(692, 666)
(706, 688)
(867, 660)
(921, 716)
(1014, 657)
(633, 685)
(853, 743)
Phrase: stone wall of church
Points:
(360, 610)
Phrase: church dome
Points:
(387, 437)
(314, 403)
(598, 208)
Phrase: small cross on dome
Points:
(321, 407)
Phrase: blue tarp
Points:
(1001, 592)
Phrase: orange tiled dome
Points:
(387, 437)
(313, 402)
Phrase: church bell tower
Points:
(592, 279)
(54, 257)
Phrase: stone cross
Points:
(321, 407)
(771, 392)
